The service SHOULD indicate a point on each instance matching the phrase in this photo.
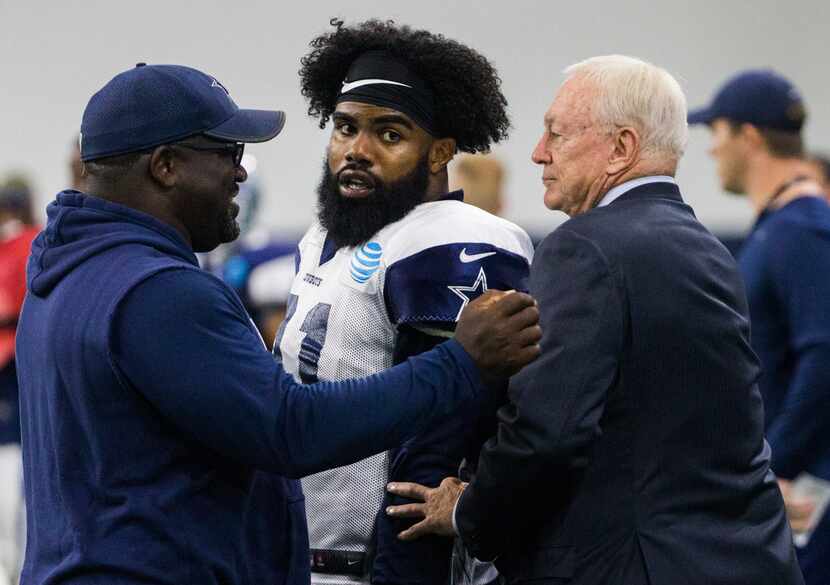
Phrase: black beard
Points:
(230, 231)
(230, 228)
(353, 221)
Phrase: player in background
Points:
(384, 271)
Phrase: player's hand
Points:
(500, 330)
(798, 509)
(435, 511)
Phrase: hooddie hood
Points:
(81, 226)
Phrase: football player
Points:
(389, 264)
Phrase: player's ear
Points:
(441, 153)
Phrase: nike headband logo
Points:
(347, 87)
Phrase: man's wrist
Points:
(455, 509)
(464, 361)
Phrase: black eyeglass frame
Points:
(236, 149)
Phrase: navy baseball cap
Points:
(760, 97)
(151, 105)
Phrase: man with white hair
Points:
(632, 451)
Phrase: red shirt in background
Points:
(15, 245)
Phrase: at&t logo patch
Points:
(365, 261)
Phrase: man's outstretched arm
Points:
(183, 341)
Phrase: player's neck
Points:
(437, 186)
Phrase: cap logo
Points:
(348, 86)
(214, 83)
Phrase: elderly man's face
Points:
(573, 150)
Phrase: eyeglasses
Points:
(236, 149)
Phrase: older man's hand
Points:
(799, 509)
(436, 509)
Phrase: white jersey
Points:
(342, 321)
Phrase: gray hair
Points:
(636, 93)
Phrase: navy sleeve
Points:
(433, 285)
(546, 430)
(182, 339)
(800, 271)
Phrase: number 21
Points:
(314, 326)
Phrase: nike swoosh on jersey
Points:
(361, 82)
(465, 258)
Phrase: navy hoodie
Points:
(159, 433)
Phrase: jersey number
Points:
(314, 326)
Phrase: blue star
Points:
(480, 283)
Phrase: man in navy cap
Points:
(150, 406)
(756, 120)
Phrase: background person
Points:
(632, 451)
(481, 177)
(17, 230)
(820, 165)
(148, 400)
(756, 119)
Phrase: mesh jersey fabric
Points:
(342, 319)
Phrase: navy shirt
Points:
(786, 265)
(151, 412)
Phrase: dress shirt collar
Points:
(624, 188)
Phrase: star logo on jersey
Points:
(365, 261)
(479, 287)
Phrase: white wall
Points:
(54, 55)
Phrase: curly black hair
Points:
(469, 104)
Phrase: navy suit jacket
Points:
(632, 451)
